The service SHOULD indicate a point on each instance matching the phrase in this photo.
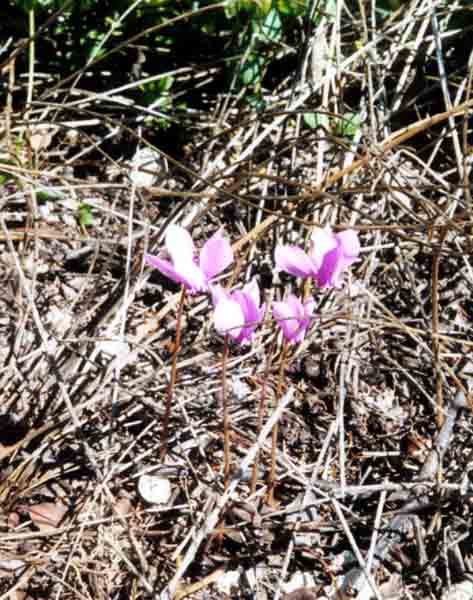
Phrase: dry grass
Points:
(375, 427)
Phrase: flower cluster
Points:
(238, 313)
(328, 257)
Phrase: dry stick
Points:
(274, 433)
(226, 436)
(226, 417)
(211, 520)
(261, 410)
(390, 142)
(355, 585)
(440, 416)
(172, 380)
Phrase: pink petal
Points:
(179, 244)
(191, 276)
(164, 266)
(349, 243)
(187, 274)
(216, 255)
(293, 317)
(251, 289)
(329, 274)
(338, 260)
(293, 260)
(322, 241)
(309, 307)
(283, 312)
(297, 309)
(218, 293)
(252, 315)
(228, 317)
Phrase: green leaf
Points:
(256, 102)
(329, 11)
(292, 8)
(349, 124)
(42, 196)
(314, 120)
(27, 5)
(86, 218)
(251, 71)
(165, 83)
(271, 28)
(235, 7)
(386, 7)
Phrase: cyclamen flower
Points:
(329, 255)
(293, 317)
(179, 261)
(237, 313)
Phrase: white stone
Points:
(154, 489)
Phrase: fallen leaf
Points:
(46, 515)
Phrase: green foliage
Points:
(314, 120)
(348, 125)
(89, 41)
(386, 7)
(42, 5)
(267, 22)
(42, 196)
(86, 218)
(269, 29)
(252, 69)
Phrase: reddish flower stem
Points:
(261, 411)
(274, 433)
(226, 416)
(172, 381)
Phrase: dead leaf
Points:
(46, 515)
(40, 139)
(122, 507)
(13, 520)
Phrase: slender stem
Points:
(436, 348)
(172, 381)
(226, 417)
(31, 60)
(274, 433)
(261, 411)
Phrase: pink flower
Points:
(179, 261)
(293, 317)
(329, 255)
(238, 313)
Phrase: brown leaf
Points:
(13, 520)
(122, 507)
(47, 515)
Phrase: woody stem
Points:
(261, 410)
(226, 416)
(172, 380)
(274, 433)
